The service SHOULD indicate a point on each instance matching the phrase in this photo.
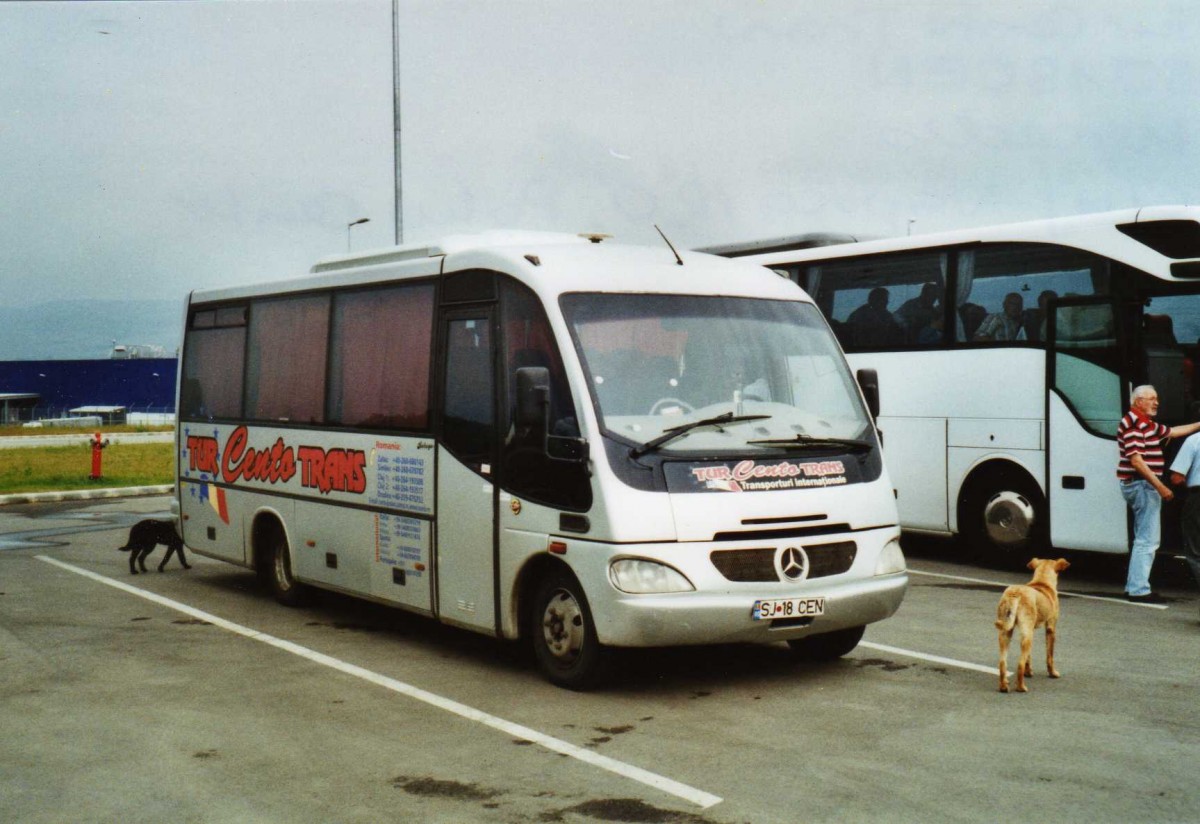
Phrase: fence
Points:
(141, 415)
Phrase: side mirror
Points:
(533, 395)
(533, 408)
(868, 382)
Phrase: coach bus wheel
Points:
(1002, 513)
(827, 646)
(286, 589)
(564, 635)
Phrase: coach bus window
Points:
(379, 358)
(883, 302)
(211, 386)
(1003, 292)
(285, 366)
(1087, 366)
(528, 470)
(1171, 343)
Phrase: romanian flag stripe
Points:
(215, 496)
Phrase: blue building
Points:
(51, 388)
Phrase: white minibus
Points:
(543, 437)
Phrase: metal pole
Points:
(358, 222)
(396, 119)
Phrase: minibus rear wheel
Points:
(285, 588)
(563, 633)
(828, 646)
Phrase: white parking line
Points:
(1063, 593)
(935, 659)
(698, 797)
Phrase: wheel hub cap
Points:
(562, 626)
(1009, 518)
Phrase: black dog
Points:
(145, 536)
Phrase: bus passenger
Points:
(932, 333)
(1005, 325)
(872, 324)
(972, 315)
(918, 314)
(1035, 319)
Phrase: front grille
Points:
(758, 564)
(746, 564)
(830, 559)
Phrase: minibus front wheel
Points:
(563, 633)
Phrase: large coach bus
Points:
(1006, 356)
(543, 437)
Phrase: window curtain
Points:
(966, 278)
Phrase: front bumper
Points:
(720, 611)
(701, 618)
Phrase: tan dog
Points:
(1029, 606)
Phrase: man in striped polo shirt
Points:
(1140, 442)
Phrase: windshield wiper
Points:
(813, 442)
(679, 431)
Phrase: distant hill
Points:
(76, 329)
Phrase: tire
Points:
(284, 587)
(828, 646)
(563, 634)
(1002, 514)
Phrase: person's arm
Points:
(1139, 466)
(1183, 430)
(1182, 465)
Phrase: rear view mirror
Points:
(533, 411)
(868, 382)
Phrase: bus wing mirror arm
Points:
(868, 382)
(533, 396)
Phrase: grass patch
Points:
(62, 468)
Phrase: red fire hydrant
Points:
(97, 445)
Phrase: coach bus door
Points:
(1086, 387)
(466, 493)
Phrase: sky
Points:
(148, 149)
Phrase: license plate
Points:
(768, 609)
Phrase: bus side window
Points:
(883, 302)
(380, 357)
(286, 359)
(1004, 290)
(212, 365)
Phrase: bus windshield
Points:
(710, 374)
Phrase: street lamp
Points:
(354, 223)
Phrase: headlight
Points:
(640, 577)
(891, 559)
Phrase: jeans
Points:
(1146, 504)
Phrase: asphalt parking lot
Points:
(191, 696)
